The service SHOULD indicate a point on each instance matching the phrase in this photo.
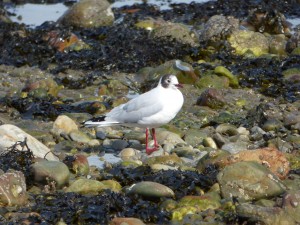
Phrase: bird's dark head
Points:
(169, 81)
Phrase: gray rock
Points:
(88, 14)
(13, 189)
(118, 145)
(186, 151)
(151, 190)
(194, 137)
(235, 147)
(256, 133)
(218, 27)
(100, 135)
(220, 139)
(291, 204)
(179, 32)
(209, 142)
(227, 129)
(10, 134)
(45, 172)
(292, 118)
(265, 215)
(164, 137)
(272, 125)
(249, 181)
(78, 136)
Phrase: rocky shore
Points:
(231, 156)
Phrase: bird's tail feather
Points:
(90, 123)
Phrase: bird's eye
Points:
(168, 81)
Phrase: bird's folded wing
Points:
(135, 110)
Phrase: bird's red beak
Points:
(179, 85)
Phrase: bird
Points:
(149, 110)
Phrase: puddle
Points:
(99, 162)
(294, 21)
(162, 4)
(36, 14)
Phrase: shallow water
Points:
(36, 14)
(99, 162)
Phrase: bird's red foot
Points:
(149, 151)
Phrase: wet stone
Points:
(194, 137)
(179, 32)
(234, 147)
(13, 188)
(100, 135)
(291, 204)
(196, 204)
(79, 136)
(249, 181)
(272, 125)
(265, 215)
(186, 151)
(218, 27)
(63, 124)
(170, 160)
(164, 137)
(212, 98)
(86, 186)
(78, 164)
(88, 14)
(151, 190)
(119, 145)
(45, 172)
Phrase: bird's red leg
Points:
(150, 150)
(147, 134)
(154, 138)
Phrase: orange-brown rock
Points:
(272, 158)
(126, 221)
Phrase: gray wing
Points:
(136, 109)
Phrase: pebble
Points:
(227, 129)
(151, 190)
(86, 186)
(235, 147)
(79, 136)
(128, 153)
(63, 124)
(119, 145)
(47, 171)
(164, 136)
(80, 165)
(209, 142)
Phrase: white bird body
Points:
(149, 110)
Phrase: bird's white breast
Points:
(171, 101)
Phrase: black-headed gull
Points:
(149, 110)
